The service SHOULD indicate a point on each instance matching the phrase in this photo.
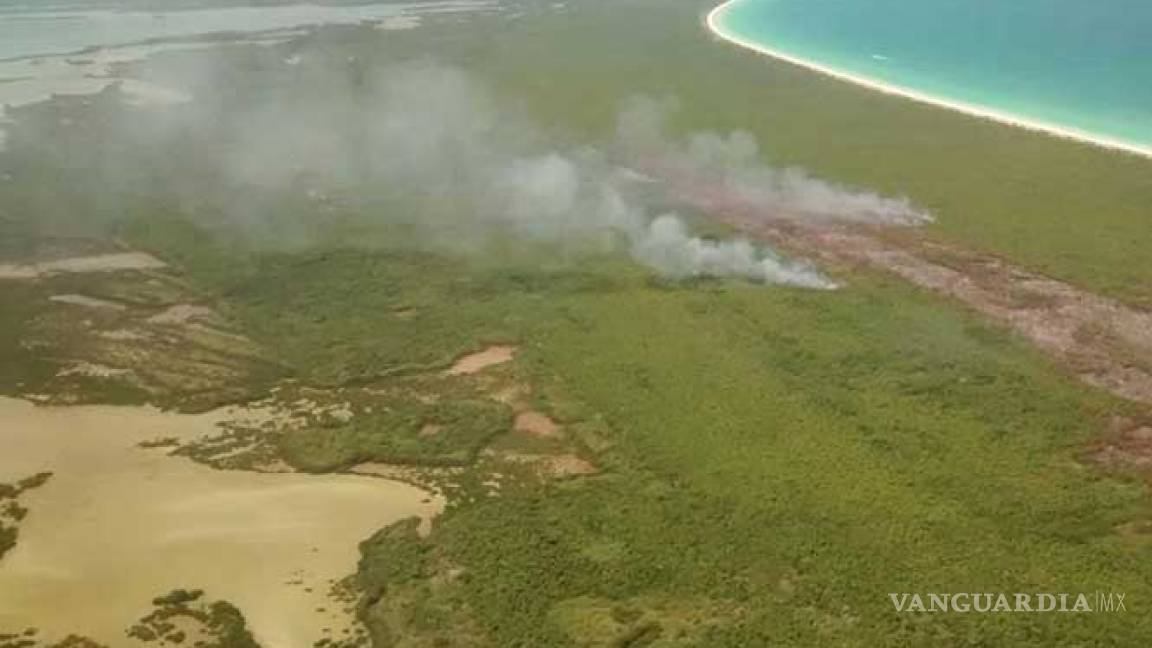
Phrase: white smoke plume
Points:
(429, 147)
(436, 131)
(724, 171)
(668, 247)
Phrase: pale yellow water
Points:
(117, 525)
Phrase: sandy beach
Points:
(713, 22)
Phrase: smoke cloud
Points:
(724, 171)
(473, 167)
(429, 147)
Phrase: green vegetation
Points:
(773, 461)
(11, 512)
(412, 595)
(783, 457)
(218, 624)
(429, 422)
(462, 428)
(19, 364)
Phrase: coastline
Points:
(712, 22)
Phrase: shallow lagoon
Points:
(118, 524)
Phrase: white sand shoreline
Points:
(713, 23)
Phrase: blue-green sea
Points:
(1082, 65)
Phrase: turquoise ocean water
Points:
(1084, 65)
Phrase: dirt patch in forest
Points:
(537, 424)
(555, 466)
(1127, 447)
(475, 362)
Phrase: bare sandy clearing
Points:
(86, 301)
(1128, 447)
(181, 314)
(481, 360)
(553, 465)
(536, 424)
(118, 525)
(95, 263)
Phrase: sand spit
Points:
(85, 264)
(119, 524)
(713, 22)
(481, 360)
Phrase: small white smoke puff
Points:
(666, 246)
(728, 166)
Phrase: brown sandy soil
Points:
(481, 360)
(536, 424)
(1127, 448)
(555, 466)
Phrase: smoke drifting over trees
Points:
(457, 167)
